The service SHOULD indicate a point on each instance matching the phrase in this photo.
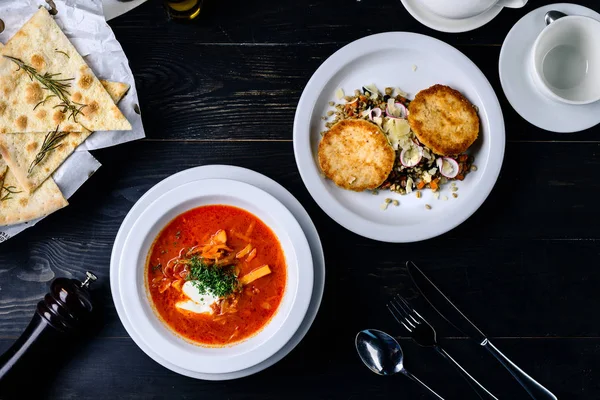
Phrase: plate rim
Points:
(272, 187)
(305, 159)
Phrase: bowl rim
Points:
(252, 350)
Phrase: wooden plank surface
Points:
(257, 99)
(310, 22)
(224, 90)
(115, 367)
(499, 257)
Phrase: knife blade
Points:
(456, 318)
(443, 305)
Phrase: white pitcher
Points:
(461, 9)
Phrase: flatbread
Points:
(20, 206)
(20, 149)
(40, 44)
(3, 171)
(116, 90)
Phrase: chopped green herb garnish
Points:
(157, 267)
(220, 281)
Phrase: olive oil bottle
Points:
(183, 9)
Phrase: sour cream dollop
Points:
(199, 303)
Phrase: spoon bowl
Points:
(380, 352)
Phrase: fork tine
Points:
(406, 303)
(414, 314)
(412, 311)
(393, 314)
(399, 320)
(408, 310)
(403, 313)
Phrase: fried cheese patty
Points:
(356, 155)
(443, 120)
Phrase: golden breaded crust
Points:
(356, 155)
(443, 120)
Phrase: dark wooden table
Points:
(224, 90)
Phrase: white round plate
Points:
(282, 326)
(390, 59)
(442, 24)
(234, 173)
(517, 82)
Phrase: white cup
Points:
(461, 9)
(566, 60)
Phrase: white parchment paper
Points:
(84, 24)
(69, 177)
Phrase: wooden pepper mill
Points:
(57, 321)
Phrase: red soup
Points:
(216, 275)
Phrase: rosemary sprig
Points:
(10, 191)
(51, 142)
(43, 101)
(62, 52)
(58, 88)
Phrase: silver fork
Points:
(424, 335)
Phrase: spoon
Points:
(382, 354)
(552, 16)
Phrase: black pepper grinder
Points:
(59, 319)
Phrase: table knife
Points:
(456, 318)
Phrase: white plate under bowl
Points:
(443, 24)
(198, 174)
(411, 62)
(278, 331)
(517, 82)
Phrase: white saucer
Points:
(439, 23)
(254, 179)
(517, 83)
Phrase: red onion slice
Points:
(448, 167)
(375, 113)
(399, 106)
(411, 163)
(403, 110)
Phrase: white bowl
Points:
(165, 342)
(197, 174)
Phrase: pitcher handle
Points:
(512, 3)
